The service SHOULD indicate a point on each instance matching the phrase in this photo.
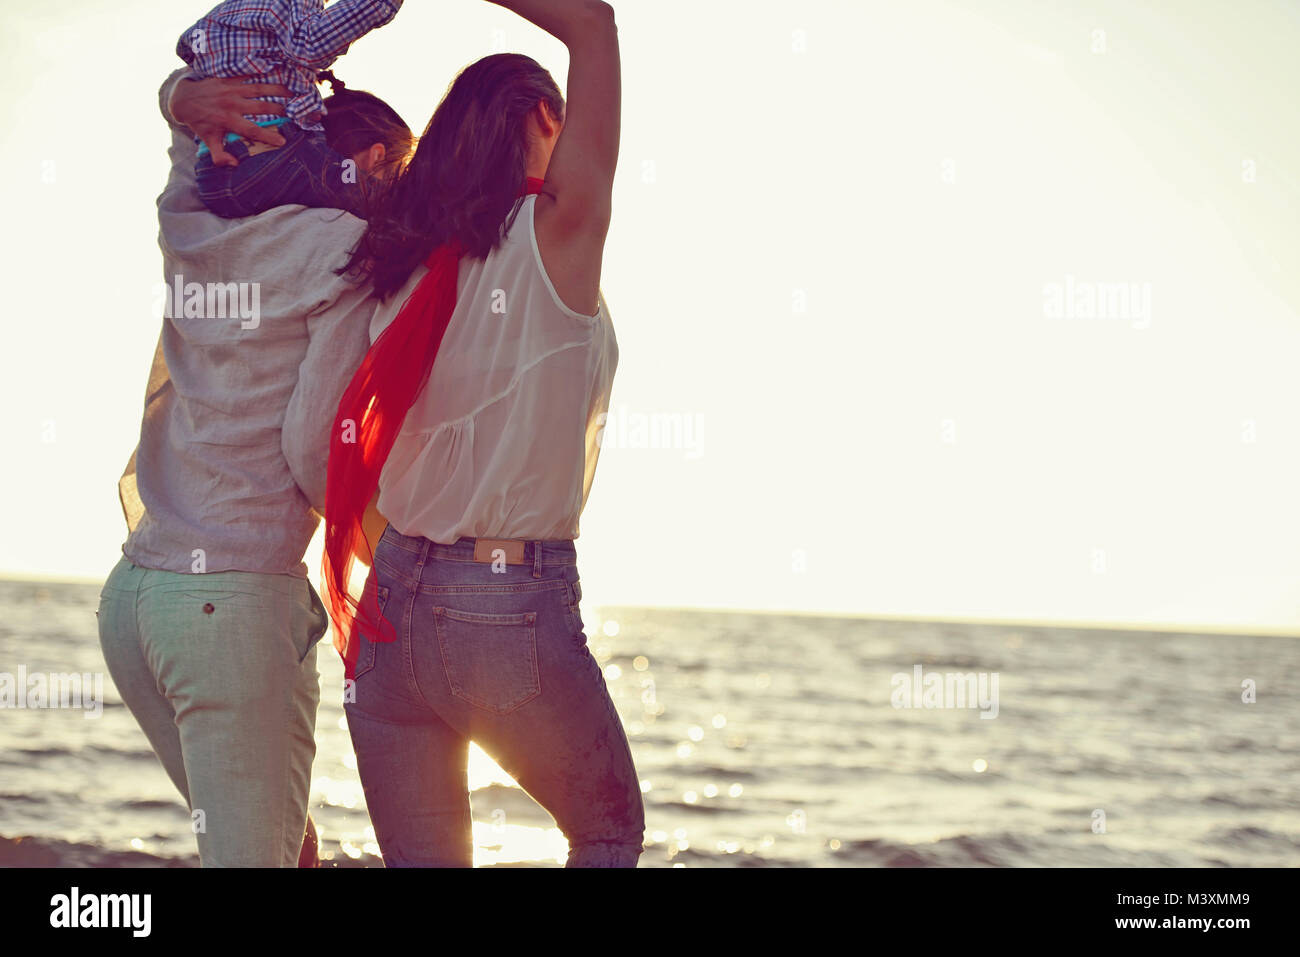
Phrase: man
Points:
(208, 623)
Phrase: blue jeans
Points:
(500, 657)
(220, 671)
(304, 170)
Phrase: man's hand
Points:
(216, 106)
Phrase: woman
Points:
(476, 415)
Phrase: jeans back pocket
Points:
(490, 660)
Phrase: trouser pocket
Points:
(311, 622)
(490, 660)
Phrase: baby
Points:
(286, 42)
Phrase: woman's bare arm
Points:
(571, 228)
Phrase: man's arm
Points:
(320, 39)
(210, 106)
(338, 337)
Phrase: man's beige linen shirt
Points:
(229, 472)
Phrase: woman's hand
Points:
(373, 525)
(216, 106)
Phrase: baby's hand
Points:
(217, 106)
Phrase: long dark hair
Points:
(464, 179)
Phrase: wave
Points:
(1249, 835)
(962, 850)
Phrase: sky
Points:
(956, 310)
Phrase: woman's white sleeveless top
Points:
(503, 440)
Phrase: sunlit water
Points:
(766, 740)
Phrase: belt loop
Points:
(425, 546)
(537, 559)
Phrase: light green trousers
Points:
(220, 671)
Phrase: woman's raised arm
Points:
(572, 227)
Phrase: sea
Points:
(763, 740)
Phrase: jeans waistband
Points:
(555, 551)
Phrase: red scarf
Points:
(371, 412)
